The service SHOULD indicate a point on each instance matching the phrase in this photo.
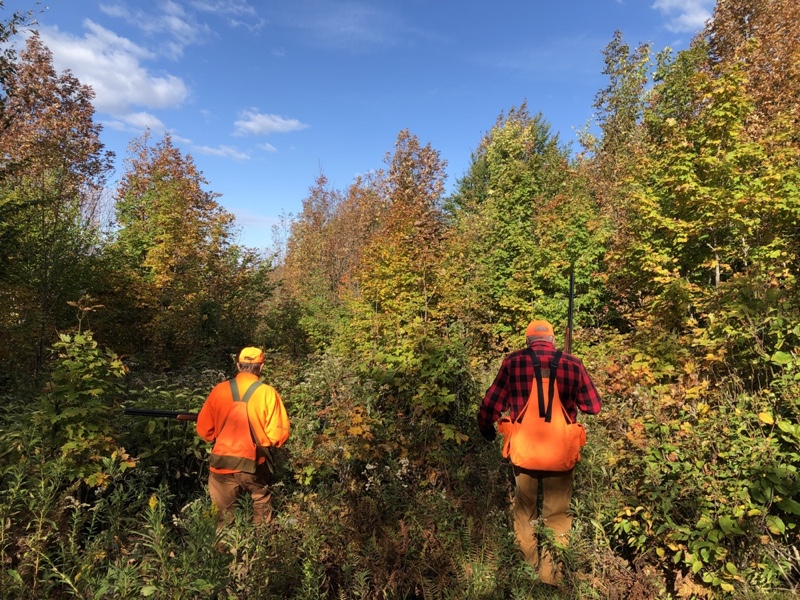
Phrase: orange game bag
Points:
(543, 438)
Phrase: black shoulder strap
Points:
(553, 373)
(537, 372)
(545, 411)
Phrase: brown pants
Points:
(557, 493)
(225, 490)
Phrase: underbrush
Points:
(375, 500)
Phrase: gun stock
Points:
(164, 414)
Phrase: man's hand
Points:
(489, 434)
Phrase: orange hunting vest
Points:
(543, 437)
(235, 448)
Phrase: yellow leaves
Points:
(766, 418)
(125, 459)
(98, 479)
(688, 588)
(636, 435)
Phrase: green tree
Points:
(711, 250)
(398, 330)
(178, 277)
(521, 217)
(398, 274)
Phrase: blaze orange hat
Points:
(539, 328)
(251, 355)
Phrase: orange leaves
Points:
(360, 426)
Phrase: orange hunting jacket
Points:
(240, 430)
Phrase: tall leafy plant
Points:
(54, 169)
(76, 409)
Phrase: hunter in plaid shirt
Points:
(510, 392)
(512, 387)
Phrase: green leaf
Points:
(14, 574)
(729, 526)
(790, 506)
(782, 358)
(776, 525)
(149, 590)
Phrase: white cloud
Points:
(268, 147)
(252, 122)
(239, 8)
(138, 121)
(685, 16)
(238, 13)
(115, 10)
(178, 139)
(111, 65)
(222, 151)
(349, 22)
(172, 28)
(352, 24)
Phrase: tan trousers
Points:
(225, 490)
(557, 493)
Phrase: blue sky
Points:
(266, 95)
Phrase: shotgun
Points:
(167, 414)
(568, 333)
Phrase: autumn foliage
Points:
(385, 315)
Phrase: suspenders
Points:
(248, 393)
(235, 395)
(545, 411)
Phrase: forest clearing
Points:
(384, 311)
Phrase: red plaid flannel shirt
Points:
(512, 386)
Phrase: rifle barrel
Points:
(568, 344)
(180, 415)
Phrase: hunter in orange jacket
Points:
(245, 419)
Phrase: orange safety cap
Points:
(251, 355)
(539, 327)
